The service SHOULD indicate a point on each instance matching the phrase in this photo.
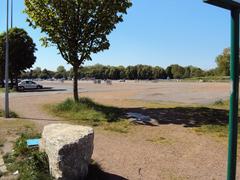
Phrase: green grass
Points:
(159, 140)
(11, 129)
(34, 165)
(30, 163)
(87, 112)
(217, 130)
(2, 90)
(209, 79)
(11, 114)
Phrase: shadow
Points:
(45, 89)
(186, 116)
(96, 173)
(40, 119)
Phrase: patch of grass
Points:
(120, 127)
(209, 79)
(34, 165)
(12, 128)
(30, 163)
(220, 131)
(159, 140)
(219, 102)
(11, 114)
(2, 90)
(87, 112)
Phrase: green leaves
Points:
(77, 27)
(21, 51)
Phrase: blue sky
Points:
(154, 32)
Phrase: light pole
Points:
(6, 114)
(11, 14)
(234, 7)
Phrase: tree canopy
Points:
(77, 27)
(21, 52)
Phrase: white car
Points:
(27, 84)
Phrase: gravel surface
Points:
(168, 151)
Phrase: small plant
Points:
(30, 163)
(120, 127)
(219, 102)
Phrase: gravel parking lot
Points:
(183, 92)
(183, 154)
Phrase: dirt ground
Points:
(169, 151)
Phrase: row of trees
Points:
(140, 72)
(22, 57)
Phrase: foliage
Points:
(30, 163)
(21, 52)
(223, 63)
(61, 73)
(11, 114)
(78, 28)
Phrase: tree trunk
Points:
(11, 78)
(16, 82)
(75, 83)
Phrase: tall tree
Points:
(61, 72)
(21, 52)
(77, 27)
(223, 62)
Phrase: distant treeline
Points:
(140, 72)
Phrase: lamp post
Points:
(11, 14)
(234, 7)
(6, 114)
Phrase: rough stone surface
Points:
(3, 168)
(69, 149)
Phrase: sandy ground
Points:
(169, 151)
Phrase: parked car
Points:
(27, 84)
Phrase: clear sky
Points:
(154, 32)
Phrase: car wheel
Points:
(39, 87)
(21, 88)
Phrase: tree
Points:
(77, 27)
(196, 72)
(159, 73)
(36, 72)
(131, 72)
(223, 63)
(21, 52)
(61, 73)
(187, 72)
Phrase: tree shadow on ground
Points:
(186, 116)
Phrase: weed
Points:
(219, 102)
(30, 163)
